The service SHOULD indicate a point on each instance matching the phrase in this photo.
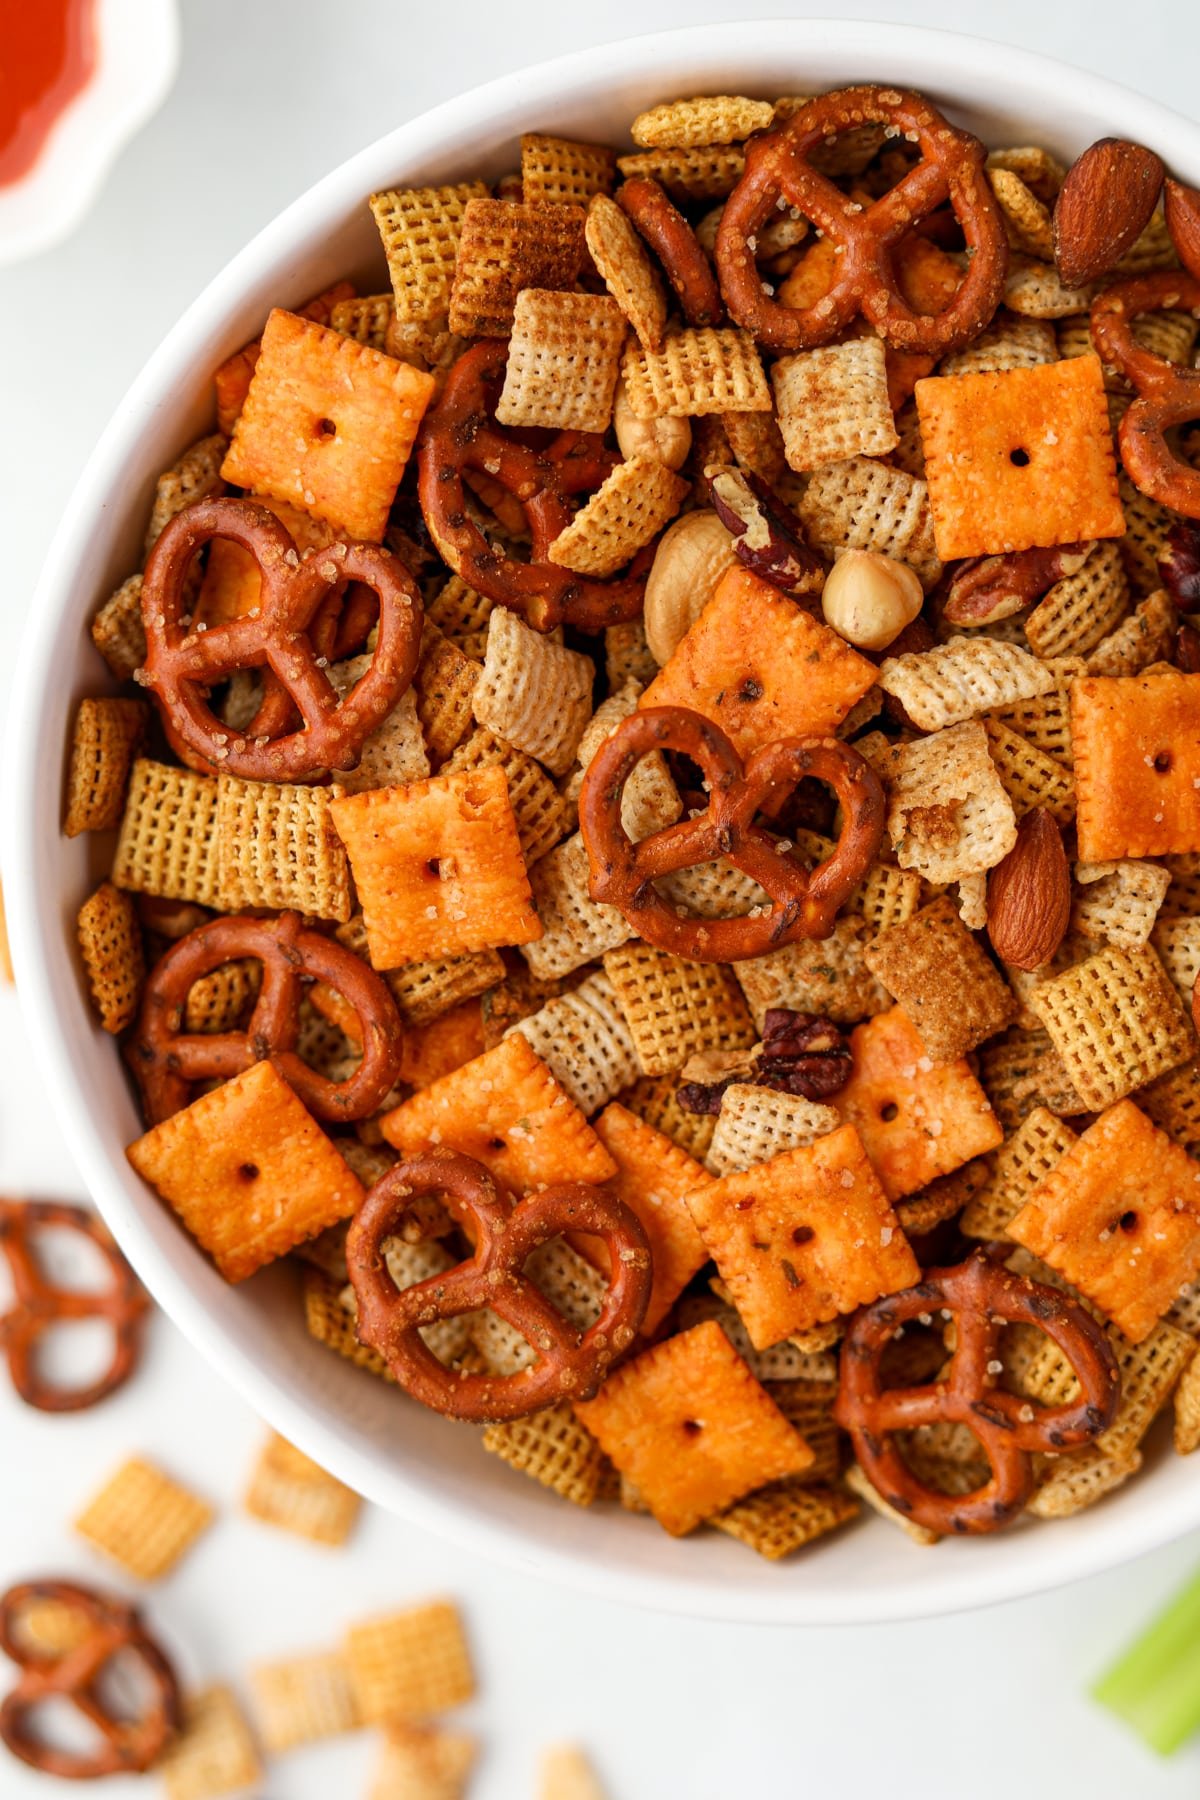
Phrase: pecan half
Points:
(799, 1054)
(768, 537)
(1179, 565)
(988, 588)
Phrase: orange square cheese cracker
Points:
(505, 1109)
(1019, 457)
(761, 668)
(232, 379)
(249, 1171)
(1137, 764)
(804, 1237)
(444, 1044)
(438, 867)
(918, 1119)
(692, 1428)
(654, 1176)
(1119, 1217)
(328, 424)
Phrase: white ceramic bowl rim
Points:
(952, 67)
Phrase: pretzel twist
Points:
(647, 206)
(778, 172)
(982, 1297)
(126, 1745)
(569, 1364)
(804, 902)
(39, 1304)
(461, 435)
(168, 1061)
(1167, 395)
(290, 635)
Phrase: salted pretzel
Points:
(302, 729)
(1167, 394)
(778, 172)
(647, 206)
(804, 902)
(40, 1303)
(127, 1745)
(569, 1364)
(461, 435)
(982, 1297)
(168, 1061)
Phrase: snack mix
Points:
(656, 793)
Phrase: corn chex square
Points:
(861, 504)
(690, 1425)
(675, 1007)
(1116, 1021)
(290, 1490)
(563, 172)
(1119, 1217)
(420, 228)
(167, 844)
(110, 945)
(699, 370)
(248, 1170)
(533, 692)
(631, 507)
(1019, 459)
(506, 247)
(328, 425)
(627, 270)
(562, 364)
(143, 1520)
(585, 1042)
(833, 403)
(106, 734)
(406, 1665)
(214, 1752)
(957, 680)
(303, 1700)
(278, 847)
(551, 1447)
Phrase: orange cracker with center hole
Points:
(232, 379)
(1119, 1217)
(804, 1237)
(654, 1177)
(1019, 458)
(248, 1170)
(328, 425)
(1137, 764)
(918, 1119)
(438, 867)
(691, 1427)
(505, 1109)
(761, 668)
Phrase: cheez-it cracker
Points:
(1137, 764)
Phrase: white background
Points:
(271, 94)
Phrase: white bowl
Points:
(137, 54)
(408, 1460)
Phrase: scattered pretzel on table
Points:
(804, 902)
(647, 206)
(302, 730)
(569, 1365)
(982, 1297)
(1167, 394)
(459, 435)
(778, 170)
(40, 1303)
(168, 1061)
(127, 1745)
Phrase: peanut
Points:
(691, 558)
(666, 440)
(869, 598)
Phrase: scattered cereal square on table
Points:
(248, 1170)
(1116, 1021)
(422, 1762)
(505, 1109)
(291, 1491)
(943, 978)
(505, 248)
(690, 1425)
(918, 1119)
(1119, 1216)
(676, 1007)
(420, 229)
(406, 1665)
(214, 1753)
(804, 1237)
(833, 403)
(438, 867)
(563, 354)
(1137, 764)
(143, 1520)
(654, 1178)
(738, 663)
(114, 962)
(303, 1700)
(1019, 459)
(328, 425)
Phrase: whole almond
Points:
(1104, 206)
(1029, 894)
(1181, 206)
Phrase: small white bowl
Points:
(421, 1467)
(137, 54)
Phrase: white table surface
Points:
(271, 94)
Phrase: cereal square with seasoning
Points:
(804, 1237)
(943, 978)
